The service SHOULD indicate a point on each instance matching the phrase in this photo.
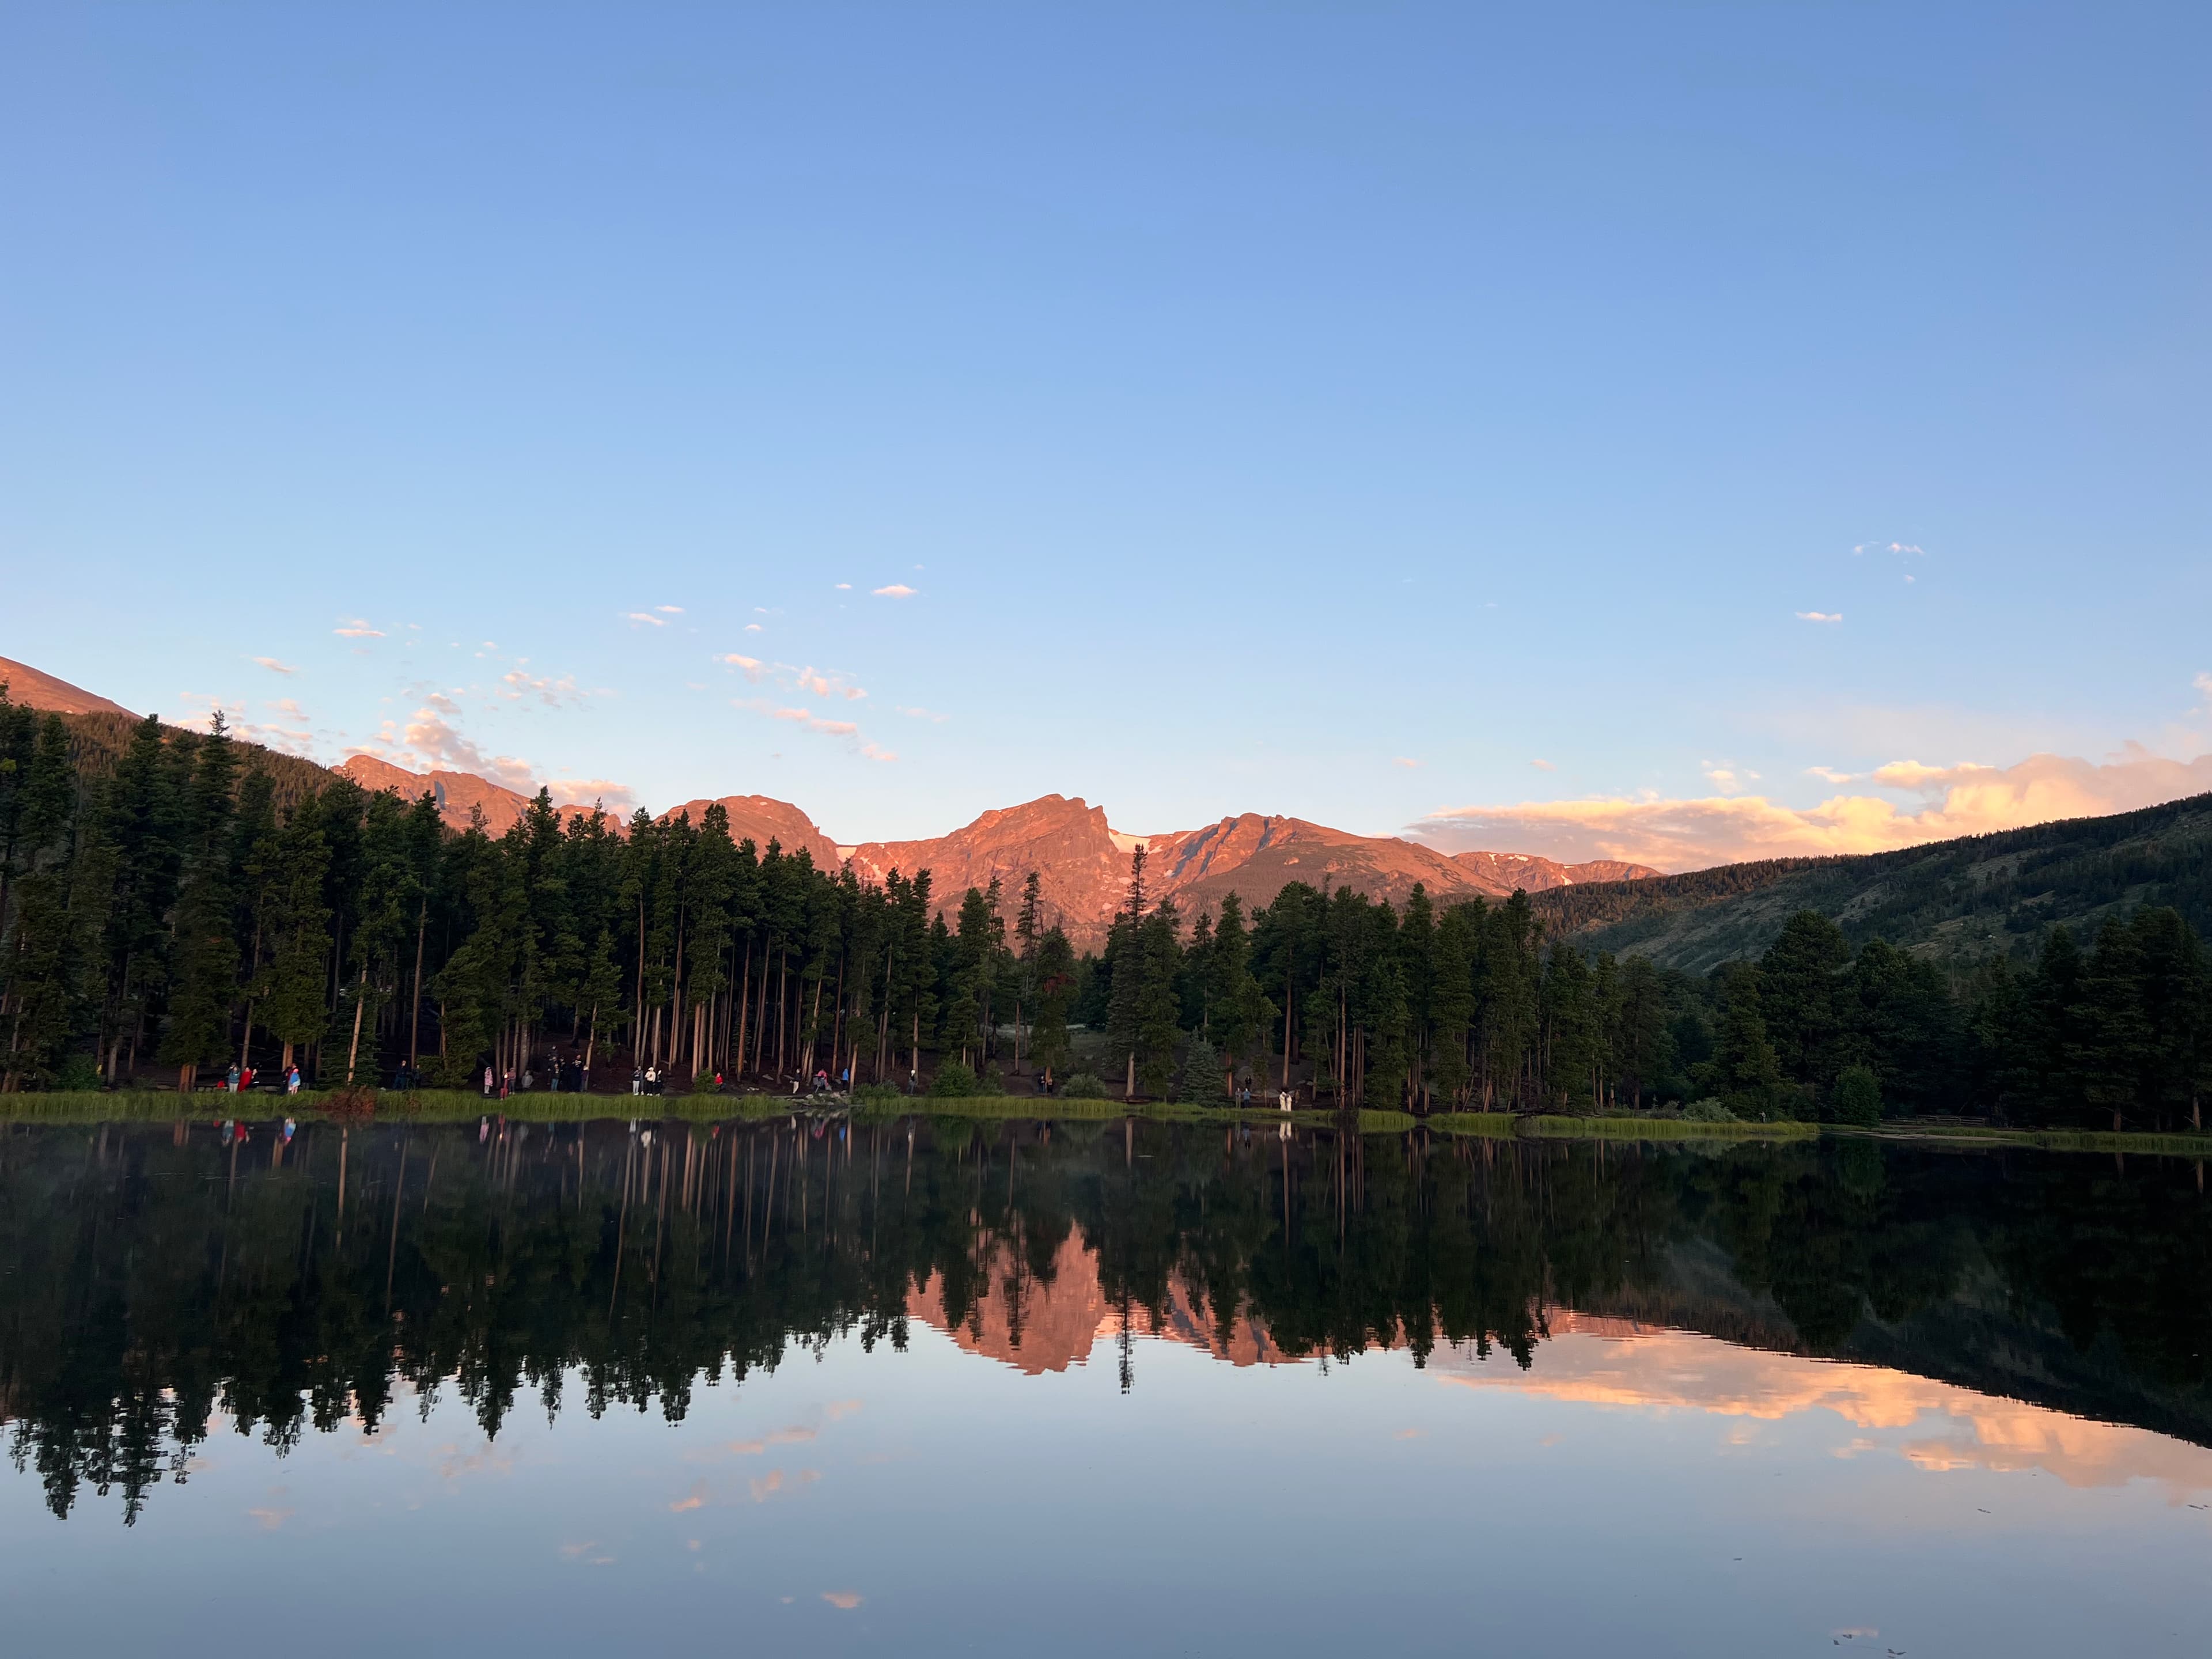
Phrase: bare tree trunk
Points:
(744, 1007)
(359, 999)
(415, 1032)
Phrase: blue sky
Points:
(1373, 413)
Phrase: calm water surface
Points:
(921, 1386)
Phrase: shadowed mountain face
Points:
(1533, 873)
(164, 1276)
(1959, 901)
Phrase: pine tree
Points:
(1240, 1013)
(1055, 990)
(205, 953)
(1644, 1051)
(1797, 995)
(1156, 1028)
(1744, 1066)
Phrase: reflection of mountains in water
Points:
(1038, 1324)
(2009, 1399)
(161, 1274)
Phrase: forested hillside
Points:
(173, 903)
(1958, 902)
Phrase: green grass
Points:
(425, 1106)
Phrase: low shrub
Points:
(1707, 1111)
(954, 1081)
(1082, 1085)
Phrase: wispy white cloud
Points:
(1543, 766)
(1409, 763)
(828, 682)
(276, 667)
(844, 587)
(924, 714)
(553, 692)
(1821, 615)
(752, 628)
(807, 720)
(1686, 834)
(1828, 773)
(647, 617)
(357, 629)
(814, 682)
(670, 609)
(1880, 546)
(895, 591)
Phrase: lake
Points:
(925, 1385)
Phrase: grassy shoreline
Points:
(459, 1105)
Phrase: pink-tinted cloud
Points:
(357, 629)
(808, 720)
(431, 738)
(1688, 835)
(1821, 615)
(647, 618)
(895, 591)
(276, 667)
(618, 798)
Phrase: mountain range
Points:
(1081, 861)
(1961, 901)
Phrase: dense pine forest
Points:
(174, 904)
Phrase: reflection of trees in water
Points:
(161, 1277)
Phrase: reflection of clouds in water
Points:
(796, 1435)
(775, 1481)
(1602, 1362)
(453, 1463)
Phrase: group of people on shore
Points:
(240, 1079)
(563, 1076)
